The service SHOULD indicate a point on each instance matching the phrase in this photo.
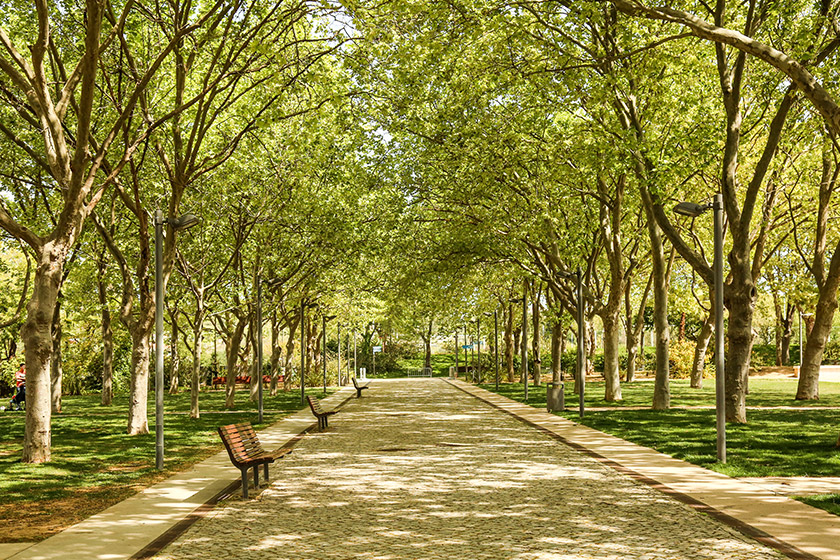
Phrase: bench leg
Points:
(245, 483)
(265, 466)
(256, 476)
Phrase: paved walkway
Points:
(419, 470)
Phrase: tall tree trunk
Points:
(276, 353)
(290, 349)
(36, 334)
(700, 350)
(509, 343)
(138, 396)
(808, 387)
(256, 367)
(56, 369)
(740, 296)
(427, 345)
(612, 385)
(557, 339)
(233, 346)
(107, 336)
(195, 374)
(536, 337)
(661, 389)
(174, 357)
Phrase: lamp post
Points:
(693, 210)
(338, 361)
(355, 361)
(478, 337)
(456, 352)
(325, 318)
(182, 222)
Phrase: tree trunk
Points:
(195, 374)
(38, 347)
(740, 296)
(290, 349)
(276, 354)
(700, 350)
(174, 358)
(232, 359)
(612, 385)
(107, 338)
(661, 388)
(427, 340)
(808, 387)
(536, 338)
(509, 344)
(138, 422)
(557, 339)
(56, 369)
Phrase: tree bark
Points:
(56, 369)
(509, 343)
(235, 341)
(700, 350)
(557, 340)
(612, 386)
(107, 336)
(174, 357)
(276, 353)
(138, 396)
(536, 337)
(661, 389)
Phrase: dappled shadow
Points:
(420, 470)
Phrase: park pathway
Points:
(418, 469)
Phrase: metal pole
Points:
(478, 335)
(355, 361)
(456, 352)
(800, 340)
(581, 350)
(259, 350)
(324, 350)
(720, 382)
(496, 345)
(525, 337)
(302, 350)
(158, 339)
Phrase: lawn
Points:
(95, 464)
(779, 442)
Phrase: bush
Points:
(681, 358)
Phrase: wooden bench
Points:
(315, 406)
(245, 452)
(359, 388)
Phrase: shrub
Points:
(681, 358)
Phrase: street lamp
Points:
(581, 342)
(182, 222)
(693, 210)
(338, 361)
(457, 365)
(324, 346)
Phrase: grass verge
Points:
(775, 442)
(95, 464)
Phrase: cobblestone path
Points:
(417, 469)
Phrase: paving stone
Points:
(419, 470)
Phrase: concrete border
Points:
(142, 525)
(797, 530)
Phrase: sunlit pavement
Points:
(420, 469)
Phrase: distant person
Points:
(18, 402)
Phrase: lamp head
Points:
(691, 209)
(329, 317)
(184, 221)
(516, 300)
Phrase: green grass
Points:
(779, 442)
(94, 463)
(440, 364)
(828, 502)
(763, 392)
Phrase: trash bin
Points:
(555, 396)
